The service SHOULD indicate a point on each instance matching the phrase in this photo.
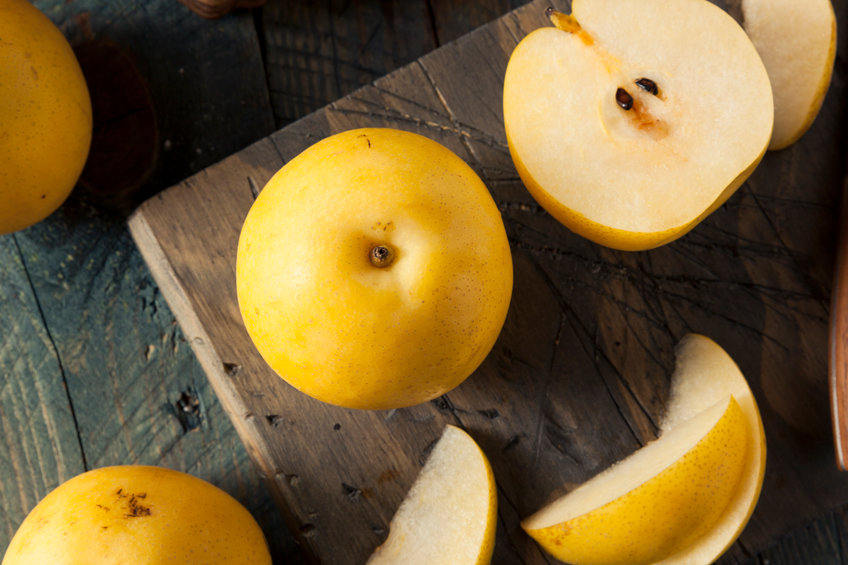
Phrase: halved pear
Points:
(683, 498)
(632, 120)
(797, 42)
(449, 515)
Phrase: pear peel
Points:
(661, 498)
(703, 371)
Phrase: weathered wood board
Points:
(578, 378)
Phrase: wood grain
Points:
(578, 378)
(317, 53)
(838, 340)
(39, 448)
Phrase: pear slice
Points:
(703, 373)
(797, 42)
(632, 120)
(449, 515)
(683, 498)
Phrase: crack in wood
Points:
(351, 492)
(581, 331)
(187, 410)
(52, 345)
(505, 525)
(275, 420)
(254, 187)
(463, 139)
(511, 442)
(544, 396)
(231, 369)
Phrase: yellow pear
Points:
(683, 498)
(374, 270)
(797, 42)
(450, 513)
(632, 120)
(45, 116)
(137, 514)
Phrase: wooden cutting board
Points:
(579, 376)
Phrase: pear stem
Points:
(381, 256)
(567, 22)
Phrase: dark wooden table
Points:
(94, 369)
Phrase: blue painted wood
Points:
(131, 387)
(39, 447)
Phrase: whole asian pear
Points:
(45, 116)
(137, 514)
(374, 270)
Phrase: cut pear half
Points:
(797, 42)
(683, 498)
(449, 515)
(632, 120)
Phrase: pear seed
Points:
(623, 99)
(648, 85)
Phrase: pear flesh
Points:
(449, 514)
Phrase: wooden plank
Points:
(452, 20)
(578, 377)
(818, 542)
(317, 53)
(39, 447)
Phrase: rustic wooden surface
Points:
(95, 369)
